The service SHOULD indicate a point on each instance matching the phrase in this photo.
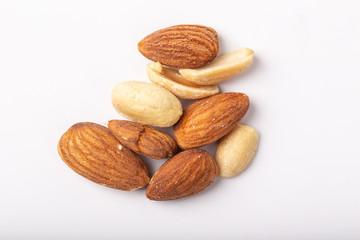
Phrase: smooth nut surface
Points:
(236, 150)
(181, 46)
(92, 151)
(177, 84)
(221, 68)
(146, 103)
(143, 139)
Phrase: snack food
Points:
(146, 103)
(185, 174)
(109, 156)
(181, 46)
(92, 151)
(221, 68)
(209, 119)
(143, 139)
(176, 84)
(236, 150)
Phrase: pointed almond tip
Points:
(109, 123)
(140, 46)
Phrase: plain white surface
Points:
(59, 61)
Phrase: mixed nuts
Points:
(110, 155)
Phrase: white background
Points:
(59, 61)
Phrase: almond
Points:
(146, 103)
(175, 83)
(236, 150)
(186, 174)
(181, 46)
(221, 68)
(93, 151)
(143, 139)
(209, 119)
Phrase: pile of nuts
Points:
(110, 155)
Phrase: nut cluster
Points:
(110, 155)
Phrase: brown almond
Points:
(209, 119)
(93, 151)
(185, 174)
(143, 139)
(181, 46)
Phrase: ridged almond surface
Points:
(143, 139)
(146, 103)
(209, 119)
(185, 174)
(171, 83)
(93, 151)
(181, 46)
(221, 68)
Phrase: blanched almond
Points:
(177, 84)
(146, 103)
(221, 68)
(236, 150)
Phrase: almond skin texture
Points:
(93, 151)
(181, 46)
(186, 174)
(143, 139)
(209, 119)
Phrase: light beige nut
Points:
(146, 103)
(221, 68)
(177, 84)
(236, 150)
(172, 73)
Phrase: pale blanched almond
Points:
(146, 103)
(221, 68)
(177, 84)
(236, 150)
(173, 74)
